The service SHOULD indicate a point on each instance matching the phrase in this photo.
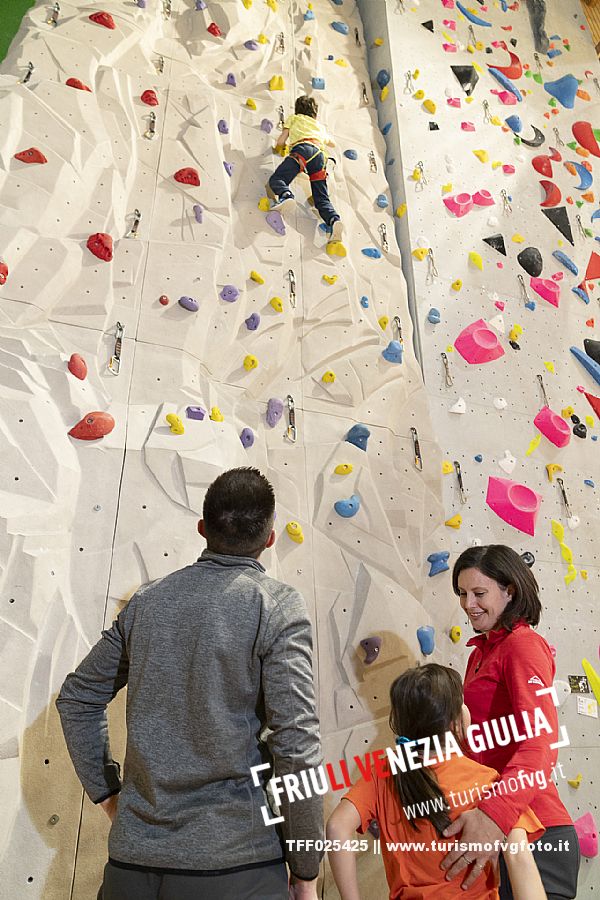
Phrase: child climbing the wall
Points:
(425, 702)
(307, 139)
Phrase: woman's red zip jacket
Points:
(504, 671)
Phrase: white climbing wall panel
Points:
(570, 619)
(85, 523)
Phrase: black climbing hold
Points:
(428, 25)
(538, 138)
(467, 78)
(560, 219)
(514, 345)
(528, 558)
(580, 430)
(575, 420)
(433, 126)
(496, 242)
(592, 348)
(513, 42)
(530, 259)
(488, 50)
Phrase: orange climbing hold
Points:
(93, 426)
(593, 267)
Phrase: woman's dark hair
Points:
(505, 566)
(238, 512)
(425, 701)
(306, 106)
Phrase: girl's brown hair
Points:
(425, 701)
(306, 106)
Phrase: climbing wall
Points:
(156, 326)
(496, 199)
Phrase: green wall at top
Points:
(11, 15)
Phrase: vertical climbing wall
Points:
(476, 139)
(85, 522)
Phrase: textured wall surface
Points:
(85, 523)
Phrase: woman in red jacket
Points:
(508, 676)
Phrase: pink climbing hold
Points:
(478, 343)
(514, 503)
(483, 198)
(187, 175)
(77, 366)
(459, 204)
(149, 98)
(505, 97)
(508, 169)
(467, 126)
(33, 155)
(547, 289)
(103, 18)
(553, 427)
(3, 273)
(77, 83)
(101, 245)
(93, 426)
(587, 832)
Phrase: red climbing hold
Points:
(163, 300)
(77, 366)
(188, 175)
(77, 83)
(584, 135)
(553, 195)
(3, 273)
(515, 69)
(543, 165)
(93, 426)
(590, 323)
(101, 245)
(593, 267)
(103, 18)
(33, 155)
(214, 29)
(555, 155)
(149, 98)
(593, 401)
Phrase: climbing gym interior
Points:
(429, 383)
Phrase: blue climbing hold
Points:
(389, 163)
(434, 316)
(426, 636)
(253, 321)
(386, 128)
(478, 458)
(476, 20)
(359, 436)
(351, 154)
(341, 27)
(393, 352)
(318, 84)
(564, 90)
(530, 305)
(566, 261)
(347, 508)
(364, 302)
(594, 437)
(438, 562)
(331, 57)
(589, 482)
(581, 293)
(247, 437)
(309, 15)
(337, 2)
(552, 53)
(502, 79)
(383, 77)
(223, 126)
(382, 201)
(514, 123)
(587, 362)
(371, 252)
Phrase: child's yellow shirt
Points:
(302, 128)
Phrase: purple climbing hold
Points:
(198, 210)
(267, 126)
(251, 45)
(274, 411)
(189, 303)
(253, 321)
(195, 412)
(200, 5)
(228, 168)
(276, 222)
(247, 437)
(223, 126)
(229, 293)
(141, 4)
(231, 80)
(371, 646)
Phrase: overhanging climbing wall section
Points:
(500, 233)
(132, 171)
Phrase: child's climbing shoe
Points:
(284, 205)
(269, 192)
(337, 232)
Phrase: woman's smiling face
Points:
(482, 598)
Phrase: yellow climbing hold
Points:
(550, 366)
(328, 377)
(590, 421)
(277, 304)
(496, 164)
(272, 4)
(401, 210)
(330, 279)
(416, 74)
(455, 634)
(558, 530)
(216, 415)
(446, 188)
(378, 42)
(567, 412)
(341, 62)
(336, 248)
(456, 285)
(250, 362)
(552, 469)
(584, 574)
(571, 574)
(430, 106)
(534, 443)
(515, 332)
(419, 95)
(262, 39)
(575, 782)
(417, 174)
(470, 48)
(276, 83)
(592, 677)
(479, 45)
(343, 469)
(250, 103)
(566, 553)
(384, 93)
(384, 321)
(264, 205)
(447, 467)
(482, 155)
(450, 348)
(455, 521)
(476, 260)
(496, 121)
(247, 3)
(308, 40)
(517, 238)
(420, 253)
(256, 277)
(294, 529)
(175, 423)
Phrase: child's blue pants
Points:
(284, 174)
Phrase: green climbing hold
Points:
(538, 78)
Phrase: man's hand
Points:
(302, 890)
(479, 829)
(110, 806)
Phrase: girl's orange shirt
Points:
(413, 872)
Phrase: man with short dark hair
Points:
(213, 655)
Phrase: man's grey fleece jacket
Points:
(211, 655)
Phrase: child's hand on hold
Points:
(280, 149)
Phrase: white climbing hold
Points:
(573, 522)
(500, 403)
(508, 462)
(460, 407)
(497, 324)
